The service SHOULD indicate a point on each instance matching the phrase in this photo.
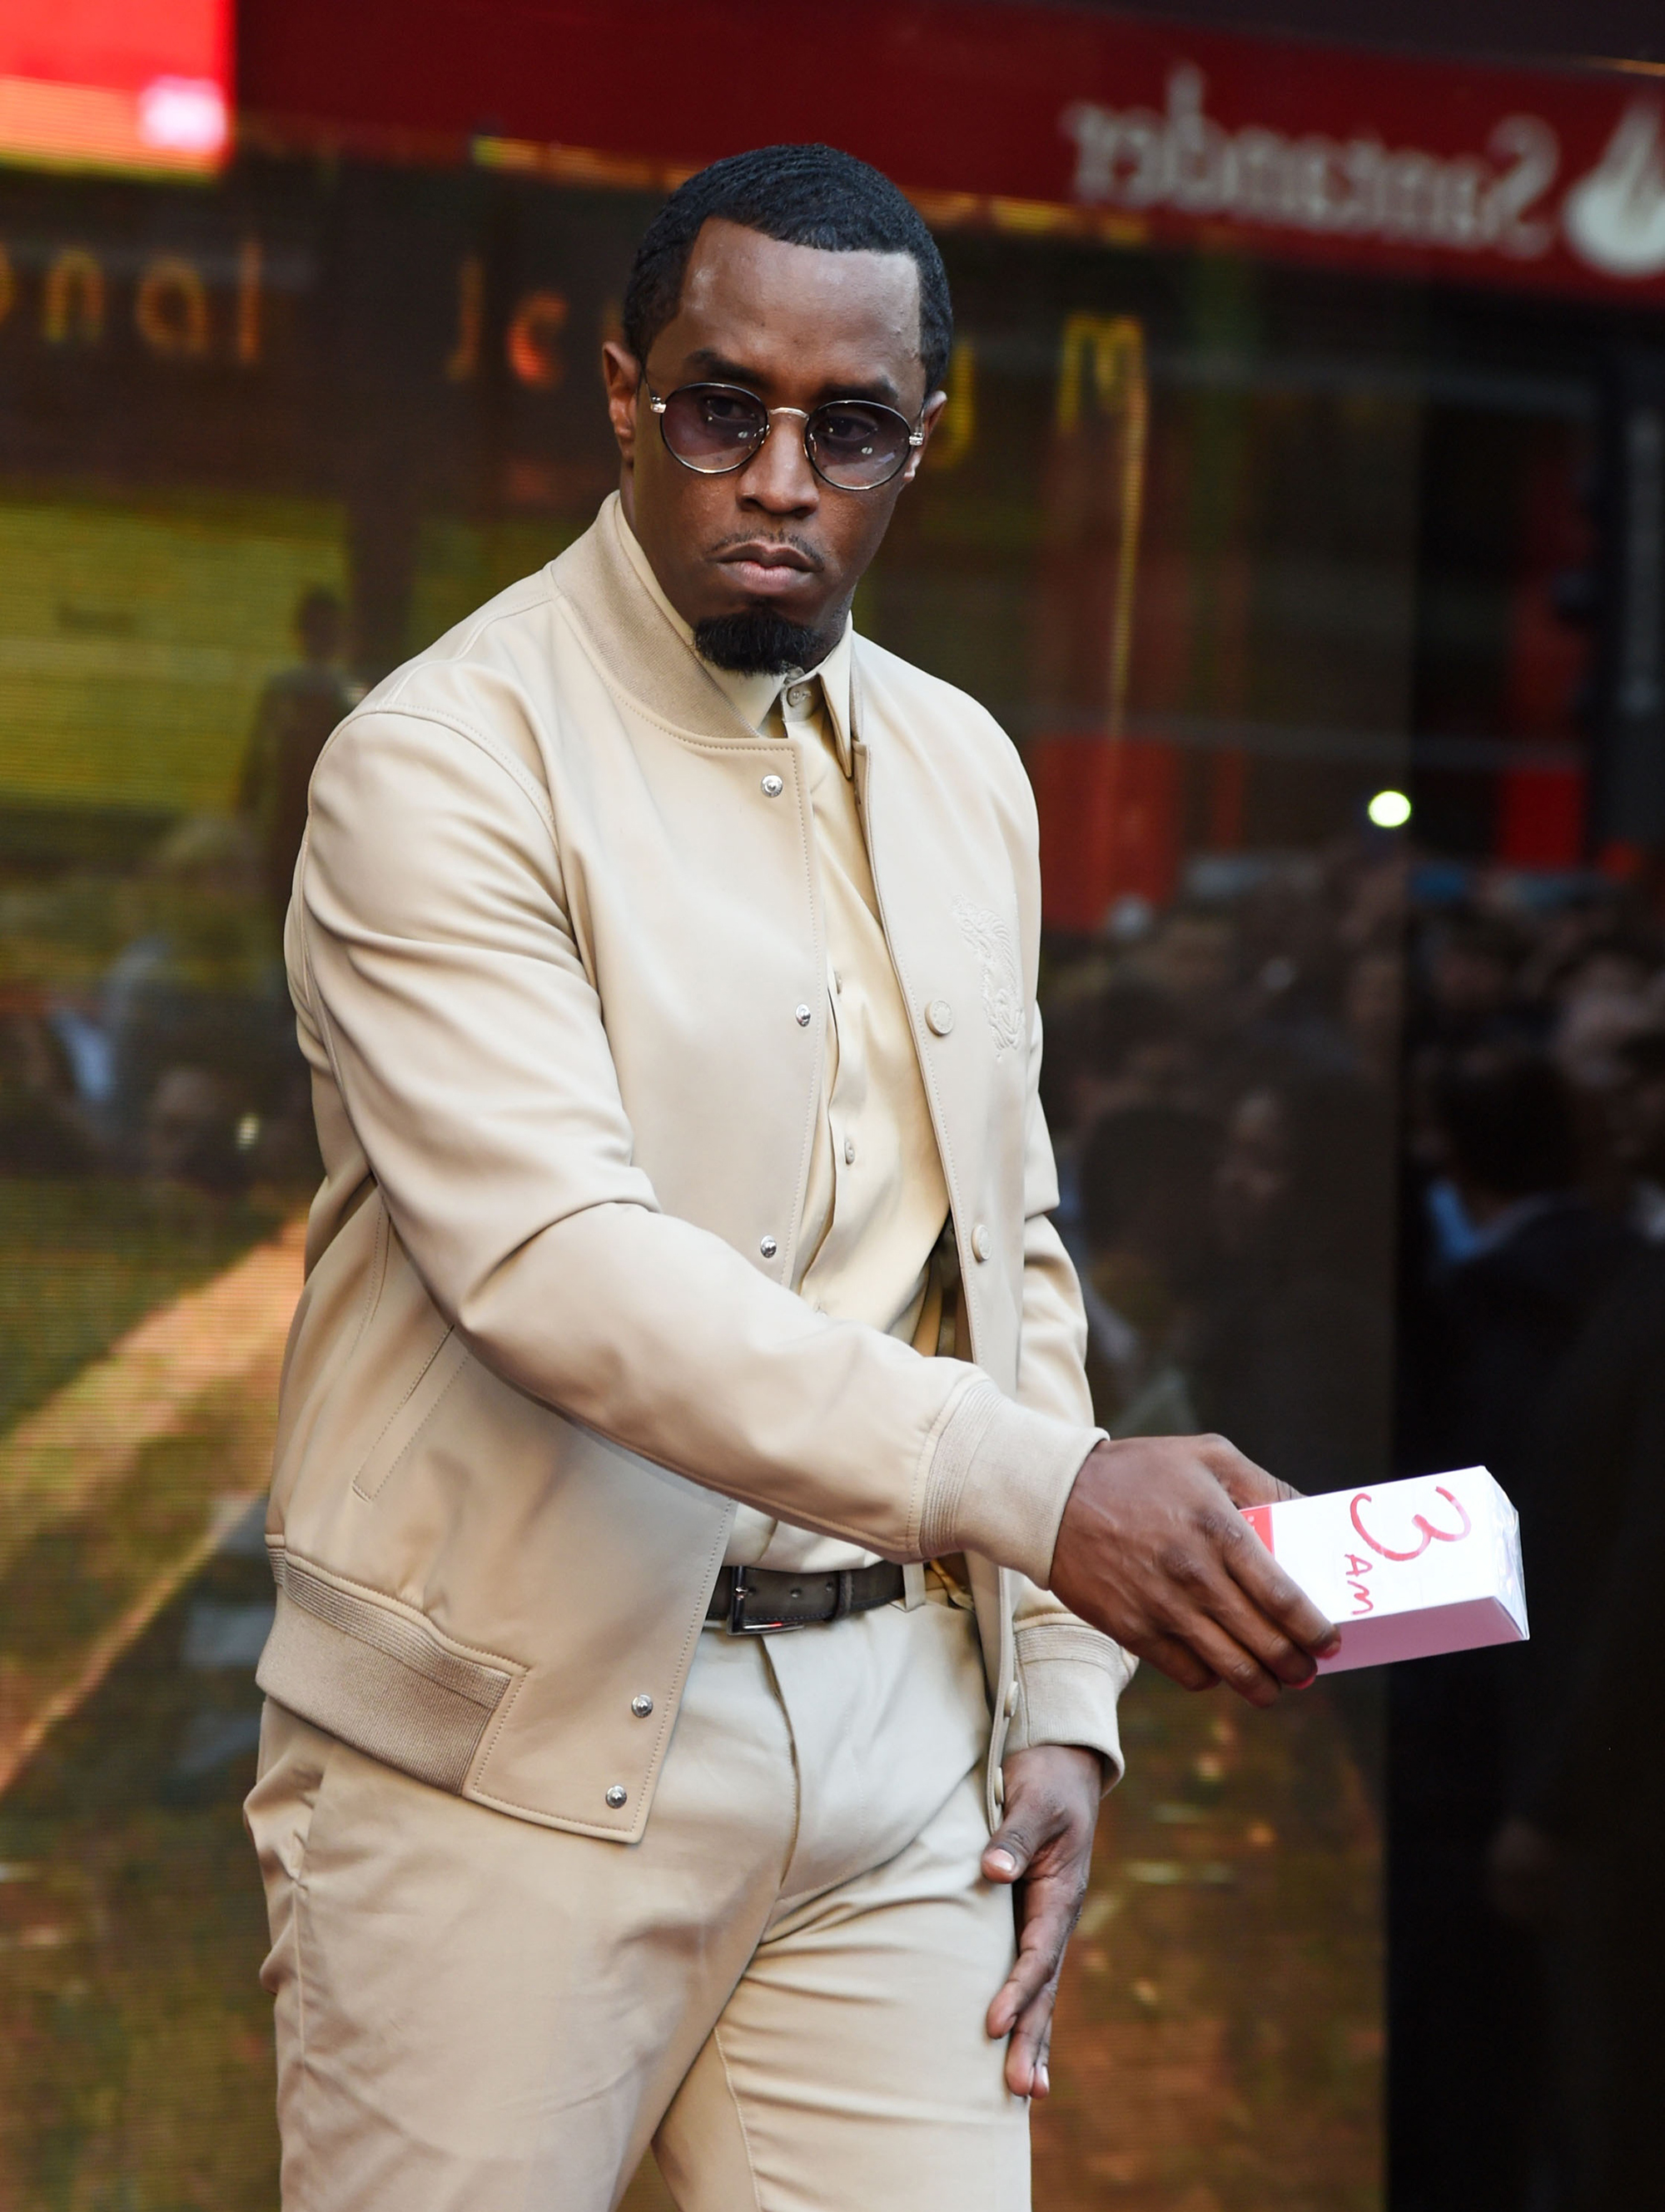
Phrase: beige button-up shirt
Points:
(875, 1202)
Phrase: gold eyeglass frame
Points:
(916, 433)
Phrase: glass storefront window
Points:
(1246, 560)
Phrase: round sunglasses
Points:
(854, 445)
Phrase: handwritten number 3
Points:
(1430, 1533)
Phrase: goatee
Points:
(757, 643)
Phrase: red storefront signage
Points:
(140, 85)
(1512, 178)
(1027, 117)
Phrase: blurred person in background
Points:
(1574, 1858)
(1638, 1124)
(1504, 1310)
(1295, 1351)
(1537, 1257)
(1600, 999)
(1468, 995)
(186, 1054)
(298, 710)
(1373, 1016)
(43, 1129)
(1146, 1174)
(1112, 1039)
(1192, 960)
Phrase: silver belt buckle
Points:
(738, 1623)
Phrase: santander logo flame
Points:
(1614, 217)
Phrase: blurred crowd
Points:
(175, 1057)
(1364, 1165)
(1220, 1082)
(155, 1036)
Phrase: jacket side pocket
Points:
(409, 1418)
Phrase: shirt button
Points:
(1010, 1698)
(768, 1247)
(642, 1705)
(849, 1152)
(773, 787)
(981, 1242)
(838, 983)
(617, 1795)
(940, 1016)
(1000, 1789)
(799, 695)
(801, 1016)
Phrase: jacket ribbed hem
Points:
(377, 1678)
(998, 1481)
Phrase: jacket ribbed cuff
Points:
(1070, 1678)
(998, 1481)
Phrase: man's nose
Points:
(780, 479)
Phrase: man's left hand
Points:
(1043, 1845)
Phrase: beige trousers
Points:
(782, 1986)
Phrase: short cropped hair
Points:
(802, 196)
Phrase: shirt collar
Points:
(753, 697)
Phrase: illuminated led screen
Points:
(134, 85)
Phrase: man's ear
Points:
(930, 415)
(622, 373)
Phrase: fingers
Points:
(1040, 1954)
(1031, 1971)
(1236, 1634)
(1022, 2010)
(1221, 1631)
(1237, 1666)
(1029, 2051)
(1178, 1661)
(1044, 1845)
(1048, 1907)
(1275, 1596)
(1244, 1482)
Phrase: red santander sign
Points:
(1564, 186)
(1034, 115)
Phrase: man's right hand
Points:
(1153, 1551)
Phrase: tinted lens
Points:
(713, 427)
(855, 444)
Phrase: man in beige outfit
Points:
(690, 1534)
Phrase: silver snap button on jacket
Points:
(642, 1705)
(768, 1247)
(773, 787)
(799, 695)
(801, 1016)
(981, 1242)
(940, 1016)
(617, 1796)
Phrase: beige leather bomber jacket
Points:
(552, 924)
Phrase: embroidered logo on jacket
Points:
(1003, 985)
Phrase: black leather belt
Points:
(759, 1600)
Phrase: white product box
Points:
(1403, 1569)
